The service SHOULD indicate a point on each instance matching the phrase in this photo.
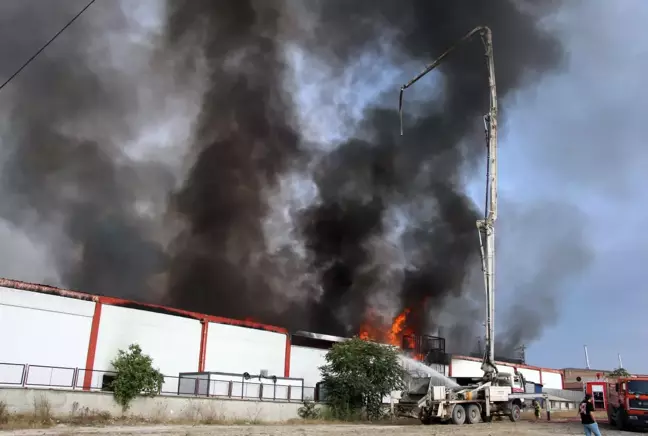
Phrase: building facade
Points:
(61, 338)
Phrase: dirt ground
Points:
(493, 429)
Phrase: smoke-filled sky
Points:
(245, 160)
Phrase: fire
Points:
(373, 328)
(396, 330)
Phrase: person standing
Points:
(536, 409)
(587, 419)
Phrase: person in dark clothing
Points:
(587, 419)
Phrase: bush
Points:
(135, 376)
(358, 374)
(308, 411)
(4, 413)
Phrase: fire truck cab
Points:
(626, 401)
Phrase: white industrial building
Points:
(58, 338)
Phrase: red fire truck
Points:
(626, 401)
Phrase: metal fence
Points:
(64, 378)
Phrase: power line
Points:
(45, 46)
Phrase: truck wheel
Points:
(620, 419)
(458, 414)
(473, 414)
(425, 418)
(514, 416)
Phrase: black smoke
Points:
(64, 164)
(425, 165)
(245, 140)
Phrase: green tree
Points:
(358, 374)
(135, 376)
(619, 372)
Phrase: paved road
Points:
(494, 429)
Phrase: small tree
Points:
(135, 376)
(358, 374)
(619, 372)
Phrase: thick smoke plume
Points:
(377, 169)
(65, 166)
(245, 140)
(211, 252)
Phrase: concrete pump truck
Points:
(493, 395)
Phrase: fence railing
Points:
(65, 378)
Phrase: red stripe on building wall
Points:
(287, 357)
(43, 289)
(450, 368)
(202, 358)
(92, 347)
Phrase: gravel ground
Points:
(494, 429)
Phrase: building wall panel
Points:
(552, 380)
(530, 375)
(305, 363)
(472, 368)
(237, 349)
(504, 368)
(466, 368)
(40, 329)
(172, 341)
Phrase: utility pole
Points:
(587, 363)
(485, 226)
(522, 352)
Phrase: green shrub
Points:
(308, 411)
(135, 376)
(357, 376)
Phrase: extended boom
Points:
(485, 226)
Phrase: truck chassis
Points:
(465, 405)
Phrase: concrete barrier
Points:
(66, 403)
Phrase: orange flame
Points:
(373, 328)
(396, 330)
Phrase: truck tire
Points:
(473, 414)
(621, 419)
(514, 414)
(458, 414)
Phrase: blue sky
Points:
(579, 137)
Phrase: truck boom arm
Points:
(485, 226)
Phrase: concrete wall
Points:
(305, 363)
(158, 408)
(238, 349)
